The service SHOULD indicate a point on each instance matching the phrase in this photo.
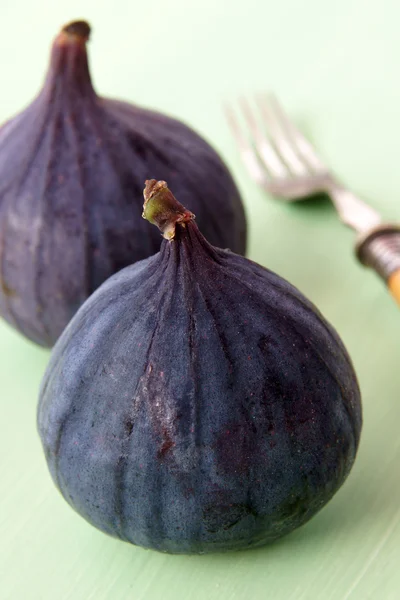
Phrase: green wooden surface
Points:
(335, 65)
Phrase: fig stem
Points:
(75, 33)
(80, 29)
(162, 209)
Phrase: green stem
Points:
(162, 209)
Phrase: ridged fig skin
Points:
(72, 167)
(199, 403)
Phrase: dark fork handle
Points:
(379, 249)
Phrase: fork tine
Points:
(304, 147)
(248, 155)
(276, 124)
(266, 151)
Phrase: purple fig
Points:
(198, 402)
(71, 173)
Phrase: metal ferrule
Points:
(379, 249)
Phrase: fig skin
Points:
(198, 402)
(71, 175)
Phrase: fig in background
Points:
(72, 167)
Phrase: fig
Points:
(72, 167)
(197, 401)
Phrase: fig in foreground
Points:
(198, 402)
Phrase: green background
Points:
(336, 67)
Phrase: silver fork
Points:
(282, 160)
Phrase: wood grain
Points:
(325, 61)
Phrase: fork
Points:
(281, 159)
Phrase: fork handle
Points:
(394, 285)
(379, 249)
